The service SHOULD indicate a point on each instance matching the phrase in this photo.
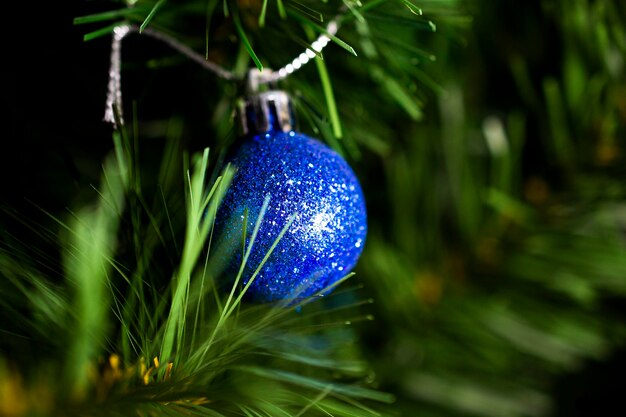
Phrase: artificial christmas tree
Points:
(486, 138)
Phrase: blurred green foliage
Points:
(501, 260)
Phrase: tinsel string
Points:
(316, 47)
(114, 90)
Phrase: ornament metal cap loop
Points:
(265, 111)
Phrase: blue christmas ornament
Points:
(305, 181)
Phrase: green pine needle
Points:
(307, 11)
(262, 15)
(210, 9)
(330, 97)
(88, 264)
(151, 15)
(412, 7)
(281, 9)
(396, 91)
(300, 380)
(99, 32)
(245, 41)
(308, 23)
(237, 302)
(110, 15)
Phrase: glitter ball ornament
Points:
(304, 181)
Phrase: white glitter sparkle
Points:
(320, 222)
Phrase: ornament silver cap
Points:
(265, 111)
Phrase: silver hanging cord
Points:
(114, 90)
(310, 53)
(190, 53)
